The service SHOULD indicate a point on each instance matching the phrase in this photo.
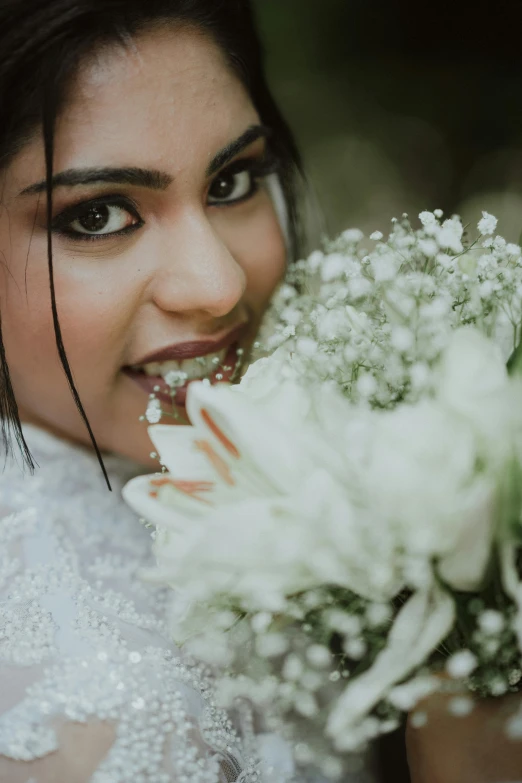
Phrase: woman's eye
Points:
(100, 219)
(231, 186)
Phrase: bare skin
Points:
(189, 267)
(470, 749)
(82, 746)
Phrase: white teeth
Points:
(152, 369)
(200, 367)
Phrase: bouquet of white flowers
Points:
(345, 524)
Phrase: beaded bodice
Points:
(85, 658)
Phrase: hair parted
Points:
(42, 45)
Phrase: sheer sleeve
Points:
(91, 688)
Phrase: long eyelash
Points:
(78, 236)
(71, 213)
(258, 167)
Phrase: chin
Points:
(137, 448)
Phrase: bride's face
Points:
(166, 244)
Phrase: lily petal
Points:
(260, 453)
(137, 493)
(179, 454)
(422, 623)
(464, 566)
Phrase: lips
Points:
(222, 373)
(156, 385)
(194, 348)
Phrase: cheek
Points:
(96, 300)
(29, 337)
(25, 303)
(88, 313)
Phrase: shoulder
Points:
(70, 561)
(82, 641)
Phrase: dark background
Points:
(400, 106)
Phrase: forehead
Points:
(165, 87)
(161, 101)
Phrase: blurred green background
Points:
(401, 106)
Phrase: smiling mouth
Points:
(169, 380)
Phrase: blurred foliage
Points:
(400, 106)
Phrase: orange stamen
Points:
(220, 435)
(161, 482)
(191, 488)
(217, 462)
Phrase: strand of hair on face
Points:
(48, 134)
(9, 409)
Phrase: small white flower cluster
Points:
(176, 378)
(154, 412)
(376, 321)
(295, 665)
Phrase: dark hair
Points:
(42, 43)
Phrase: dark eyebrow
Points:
(145, 178)
(229, 152)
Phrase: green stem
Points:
(514, 363)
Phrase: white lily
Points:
(257, 505)
(229, 454)
(474, 385)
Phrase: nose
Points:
(196, 271)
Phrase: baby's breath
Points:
(375, 321)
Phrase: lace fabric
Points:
(91, 687)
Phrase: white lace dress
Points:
(91, 688)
